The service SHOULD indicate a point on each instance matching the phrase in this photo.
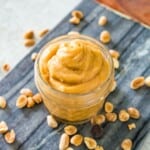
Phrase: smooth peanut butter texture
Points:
(74, 66)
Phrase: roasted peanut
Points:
(29, 35)
(131, 126)
(3, 102)
(27, 92)
(29, 42)
(30, 102)
(69, 148)
(98, 119)
(10, 136)
(76, 140)
(74, 20)
(137, 83)
(6, 67)
(109, 107)
(73, 33)
(115, 54)
(112, 117)
(124, 116)
(105, 37)
(43, 32)
(114, 85)
(102, 20)
(90, 143)
(3, 127)
(37, 98)
(147, 81)
(77, 13)
(21, 101)
(116, 63)
(34, 56)
(134, 113)
(64, 141)
(126, 144)
(99, 148)
(51, 121)
(70, 130)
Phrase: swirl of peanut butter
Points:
(74, 66)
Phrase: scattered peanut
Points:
(78, 14)
(29, 42)
(124, 116)
(3, 102)
(6, 67)
(76, 140)
(37, 98)
(115, 54)
(74, 20)
(112, 117)
(64, 141)
(90, 143)
(52, 122)
(126, 144)
(21, 101)
(43, 32)
(69, 148)
(70, 130)
(114, 85)
(102, 20)
(131, 126)
(3, 127)
(99, 119)
(134, 113)
(99, 148)
(10, 136)
(147, 81)
(28, 35)
(116, 63)
(73, 33)
(105, 37)
(109, 107)
(137, 83)
(34, 56)
(27, 92)
(30, 102)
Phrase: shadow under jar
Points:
(74, 74)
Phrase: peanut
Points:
(126, 144)
(74, 20)
(3, 102)
(21, 101)
(134, 113)
(29, 42)
(34, 56)
(73, 33)
(37, 98)
(124, 116)
(69, 148)
(116, 63)
(3, 127)
(147, 81)
(112, 117)
(76, 140)
(137, 83)
(30, 102)
(43, 32)
(99, 119)
(70, 130)
(109, 107)
(64, 141)
(28, 35)
(90, 143)
(102, 20)
(115, 54)
(27, 92)
(52, 122)
(105, 37)
(114, 85)
(131, 126)
(99, 148)
(78, 14)
(6, 67)
(10, 136)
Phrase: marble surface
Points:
(17, 16)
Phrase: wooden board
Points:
(132, 41)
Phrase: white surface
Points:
(17, 16)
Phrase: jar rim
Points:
(76, 36)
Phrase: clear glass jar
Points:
(74, 108)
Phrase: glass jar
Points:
(74, 108)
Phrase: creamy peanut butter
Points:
(75, 66)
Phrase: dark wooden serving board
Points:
(131, 40)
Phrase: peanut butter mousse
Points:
(75, 66)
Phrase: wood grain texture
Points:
(133, 42)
